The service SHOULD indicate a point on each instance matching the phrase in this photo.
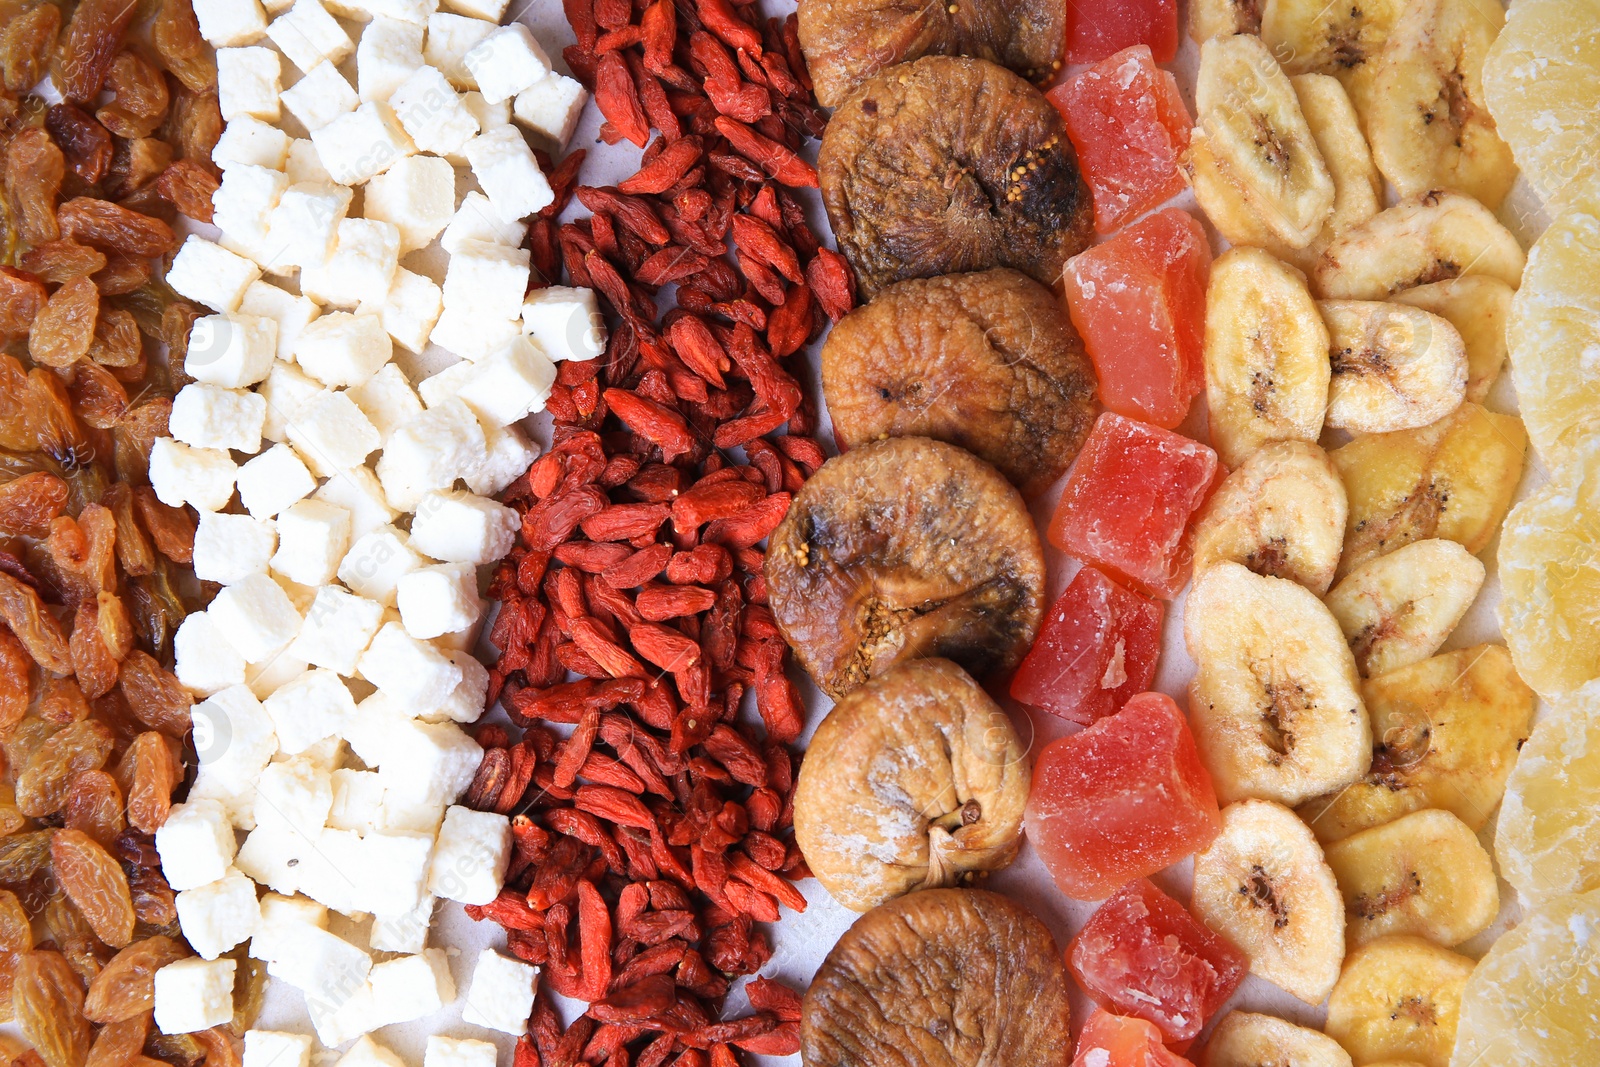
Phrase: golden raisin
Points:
(93, 39)
(61, 701)
(61, 260)
(177, 320)
(117, 341)
(94, 660)
(22, 297)
(16, 674)
(83, 140)
(25, 46)
(42, 783)
(122, 274)
(194, 122)
(176, 36)
(172, 529)
(34, 169)
(83, 551)
(148, 774)
(29, 503)
(115, 228)
(74, 938)
(48, 1001)
(134, 550)
(94, 805)
(57, 430)
(24, 613)
(134, 165)
(98, 399)
(118, 1044)
(154, 696)
(95, 883)
(154, 902)
(64, 330)
(189, 187)
(134, 437)
(140, 90)
(222, 1048)
(125, 989)
(16, 932)
(177, 1050)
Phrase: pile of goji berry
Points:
(651, 841)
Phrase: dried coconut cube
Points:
(406, 933)
(313, 537)
(248, 83)
(501, 995)
(450, 38)
(437, 388)
(299, 595)
(302, 163)
(195, 844)
(488, 116)
(331, 434)
(269, 1048)
(409, 669)
(286, 389)
(255, 616)
(230, 548)
(241, 206)
(295, 794)
(209, 274)
(416, 11)
(264, 679)
(249, 142)
(453, 1052)
(469, 862)
(424, 764)
(391, 872)
(273, 480)
(230, 23)
(234, 740)
(291, 313)
(356, 489)
(551, 108)
(566, 322)
(322, 95)
(201, 477)
(377, 561)
(368, 1053)
(413, 987)
(364, 143)
(209, 416)
(233, 351)
(352, 1017)
(490, 10)
(361, 268)
(219, 915)
(506, 62)
(193, 994)
(507, 385)
(417, 195)
(205, 662)
(486, 279)
(338, 627)
(309, 35)
(390, 50)
(432, 113)
(387, 398)
(430, 452)
(281, 915)
(459, 527)
(342, 349)
(357, 801)
(322, 965)
(438, 599)
(461, 332)
(304, 227)
(504, 166)
(477, 220)
(507, 453)
(466, 701)
(410, 310)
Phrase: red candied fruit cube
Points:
(1120, 800)
(1130, 128)
(1129, 502)
(1098, 646)
(1101, 28)
(1117, 1041)
(1143, 954)
(1139, 301)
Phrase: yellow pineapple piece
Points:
(1548, 837)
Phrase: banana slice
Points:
(1399, 997)
(1453, 479)
(1222, 18)
(1246, 1039)
(1424, 874)
(1394, 367)
(1479, 308)
(1426, 238)
(1427, 119)
(1398, 609)
(1266, 355)
(1275, 703)
(1281, 513)
(1341, 39)
(1264, 884)
(1447, 733)
(1253, 123)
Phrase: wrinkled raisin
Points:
(61, 260)
(34, 169)
(23, 857)
(118, 1043)
(85, 143)
(122, 274)
(42, 785)
(16, 673)
(94, 656)
(117, 341)
(22, 297)
(98, 399)
(29, 503)
(179, 1050)
(94, 806)
(134, 550)
(141, 97)
(154, 696)
(176, 36)
(194, 122)
(83, 553)
(61, 702)
(135, 164)
(125, 989)
(24, 613)
(154, 902)
(177, 319)
(74, 938)
(172, 529)
(11, 818)
(95, 883)
(48, 1001)
(64, 330)
(114, 227)
(16, 932)
(135, 436)
(94, 37)
(189, 187)
(25, 46)
(148, 774)
(57, 430)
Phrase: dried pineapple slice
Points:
(1548, 836)
(1479, 308)
(1446, 733)
(1398, 997)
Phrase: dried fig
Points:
(846, 41)
(950, 977)
(913, 781)
(945, 165)
(988, 361)
(900, 549)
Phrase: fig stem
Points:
(965, 815)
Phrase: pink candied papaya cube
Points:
(1122, 799)
(1139, 302)
(1131, 129)
(1098, 646)
(1099, 28)
(1118, 1041)
(1142, 954)
(1130, 500)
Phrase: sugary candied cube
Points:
(193, 995)
(218, 915)
(466, 701)
(255, 616)
(477, 220)
(202, 477)
(331, 435)
(313, 537)
(406, 933)
(291, 313)
(248, 83)
(309, 35)
(387, 399)
(551, 107)
(286, 390)
(234, 351)
(451, 1052)
(450, 38)
(344, 349)
(357, 801)
(507, 453)
(1142, 954)
(1097, 648)
(1131, 129)
(408, 669)
(506, 62)
(466, 333)
(565, 321)
(305, 225)
(338, 628)
(249, 142)
(210, 416)
(1139, 300)
(430, 452)
(459, 527)
(377, 561)
(501, 994)
(273, 480)
(413, 987)
(445, 385)
(356, 489)
(437, 600)
(1129, 502)
(431, 111)
(486, 278)
(390, 50)
(417, 195)
(1117, 1041)
(206, 663)
(322, 95)
(206, 272)
(270, 1048)
(241, 206)
(302, 164)
(1095, 31)
(1121, 800)
(469, 864)
(195, 844)
(230, 23)
(504, 166)
(488, 116)
(489, 10)
(230, 548)
(410, 310)
(365, 142)
(365, 257)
